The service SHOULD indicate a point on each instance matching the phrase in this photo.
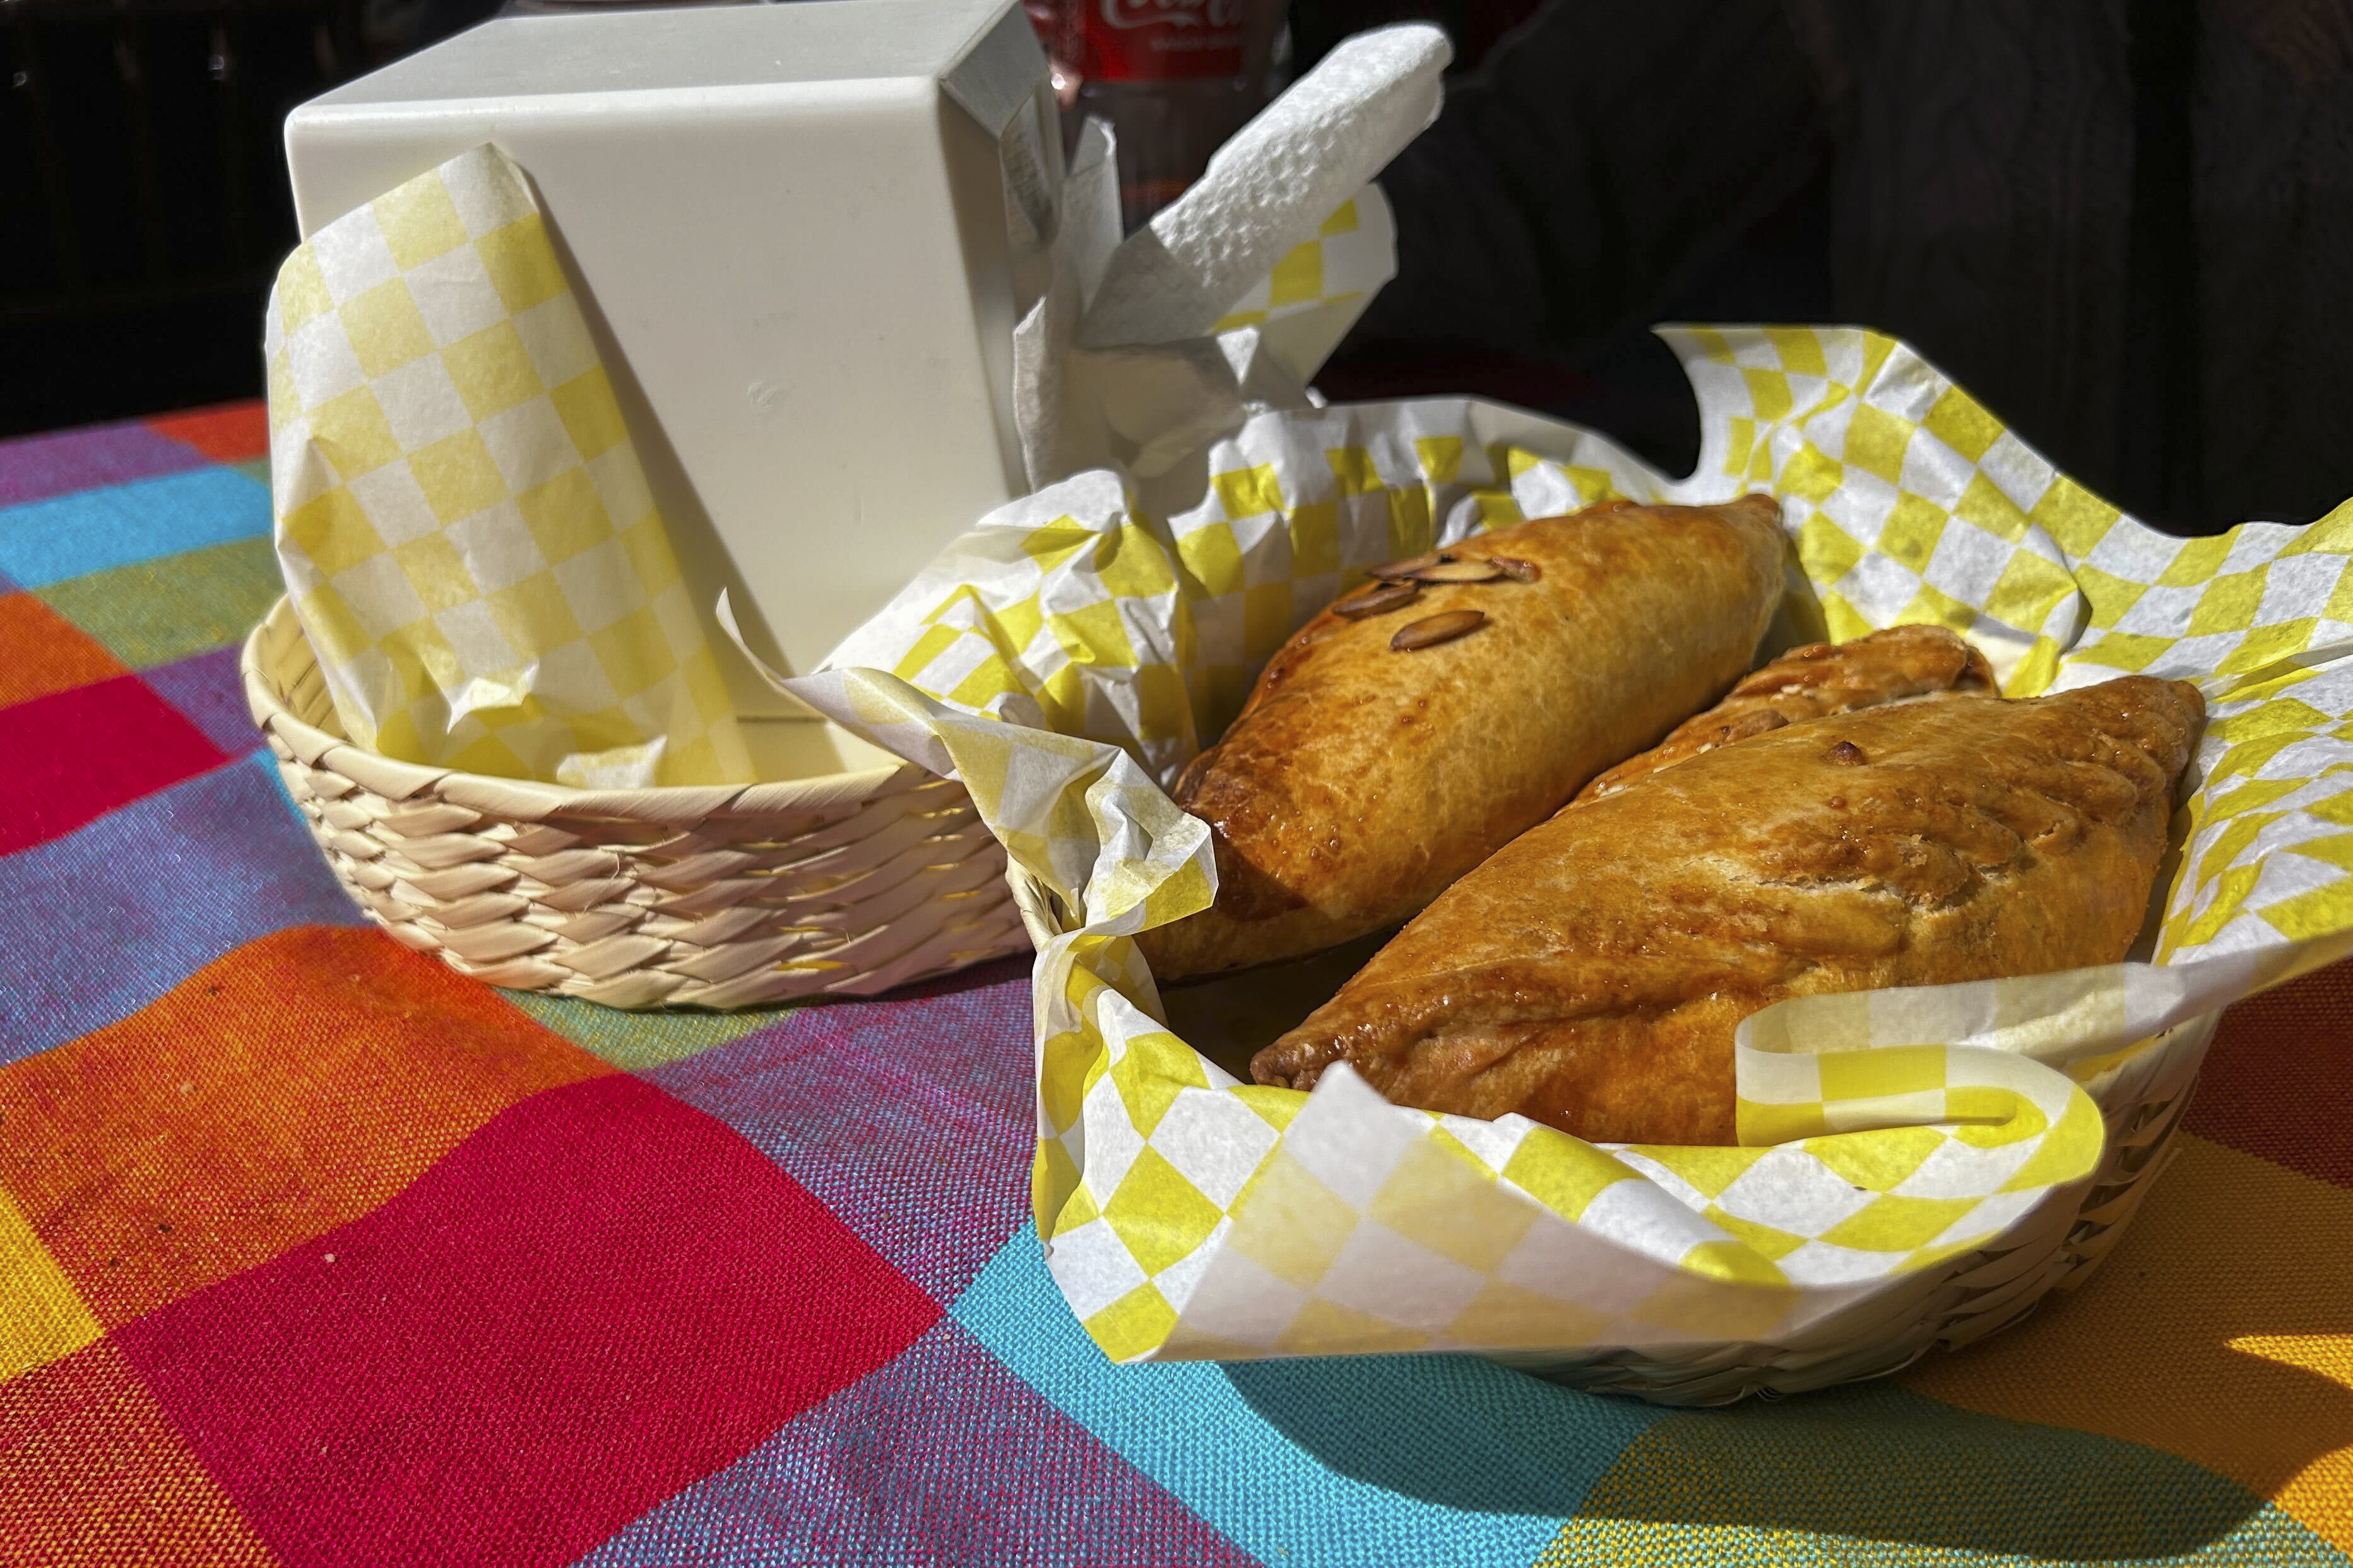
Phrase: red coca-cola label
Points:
(1151, 40)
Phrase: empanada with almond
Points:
(1417, 726)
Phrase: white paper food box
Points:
(802, 234)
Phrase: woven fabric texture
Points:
(313, 1252)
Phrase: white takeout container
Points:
(802, 234)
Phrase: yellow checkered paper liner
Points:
(461, 519)
(1306, 305)
(1071, 652)
(1352, 253)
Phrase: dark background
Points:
(144, 203)
(2124, 225)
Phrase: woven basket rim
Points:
(276, 654)
(2046, 1254)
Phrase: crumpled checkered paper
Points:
(1143, 351)
(464, 528)
(1066, 658)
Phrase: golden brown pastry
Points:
(1418, 725)
(1590, 974)
(1895, 665)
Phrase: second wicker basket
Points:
(727, 896)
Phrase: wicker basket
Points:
(722, 897)
(1941, 1307)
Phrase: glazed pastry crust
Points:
(1359, 782)
(1590, 974)
(1895, 665)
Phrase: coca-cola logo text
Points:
(1217, 15)
(1166, 40)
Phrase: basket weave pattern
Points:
(1952, 1303)
(1944, 1306)
(728, 895)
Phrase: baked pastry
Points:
(1590, 974)
(1420, 723)
(1895, 665)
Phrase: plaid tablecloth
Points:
(313, 1252)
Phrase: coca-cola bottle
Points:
(1175, 78)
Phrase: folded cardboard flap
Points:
(997, 83)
